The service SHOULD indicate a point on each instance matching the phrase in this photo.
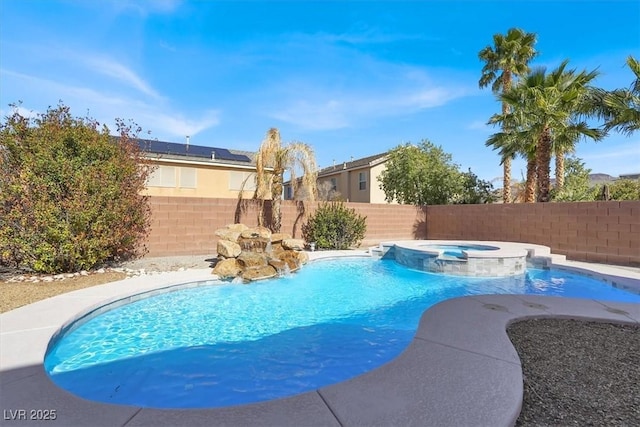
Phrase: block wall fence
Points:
(607, 232)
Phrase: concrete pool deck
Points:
(460, 369)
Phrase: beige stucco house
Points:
(355, 181)
(196, 171)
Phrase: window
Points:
(334, 184)
(242, 181)
(362, 179)
(163, 176)
(187, 178)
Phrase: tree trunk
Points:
(559, 171)
(276, 200)
(543, 165)
(532, 176)
(506, 180)
(506, 177)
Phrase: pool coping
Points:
(460, 369)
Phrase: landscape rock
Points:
(255, 244)
(255, 253)
(227, 268)
(237, 227)
(258, 273)
(255, 232)
(251, 259)
(227, 234)
(228, 249)
(279, 237)
(293, 244)
(279, 265)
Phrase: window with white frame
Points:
(188, 177)
(362, 180)
(162, 176)
(239, 180)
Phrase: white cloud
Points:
(179, 126)
(163, 121)
(323, 110)
(112, 68)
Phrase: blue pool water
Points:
(222, 345)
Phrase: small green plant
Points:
(335, 226)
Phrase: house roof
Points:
(173, 150)
(354, 164)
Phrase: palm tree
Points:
(547, 111)
(272, 160)
(508, 59)
(621, 107)
(512, 143)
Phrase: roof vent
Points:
(344, 165)
(213, 155)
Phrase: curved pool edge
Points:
(460, 353)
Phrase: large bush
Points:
(334, 226)
(70, 194)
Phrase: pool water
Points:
(223, 345)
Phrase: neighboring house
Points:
(196, 171)
(354, 181)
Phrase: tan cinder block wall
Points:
(186, 225)
(606, 232)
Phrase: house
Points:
(187, 170)
(354, 181)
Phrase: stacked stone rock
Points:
(256, 253)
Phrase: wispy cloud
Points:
(177, 125)
(313, 105)
(162, 120)
(118, 71)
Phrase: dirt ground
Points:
(18, 294)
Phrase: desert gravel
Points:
(578, 373)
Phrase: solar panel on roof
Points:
(172, 148)
(224, 154)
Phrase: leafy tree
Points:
(334, 226)
(507, 59)
(475, 190)
(625, 189)
(420, 175)
(576, 183)
(70, 194)
(271, 161)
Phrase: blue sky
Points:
(349, 78)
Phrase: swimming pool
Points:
(224, 345)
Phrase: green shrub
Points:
(70, 194)
(334, 226)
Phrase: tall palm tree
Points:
(547, 110)
(512, 143)
(272, 160)
(507, 59)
